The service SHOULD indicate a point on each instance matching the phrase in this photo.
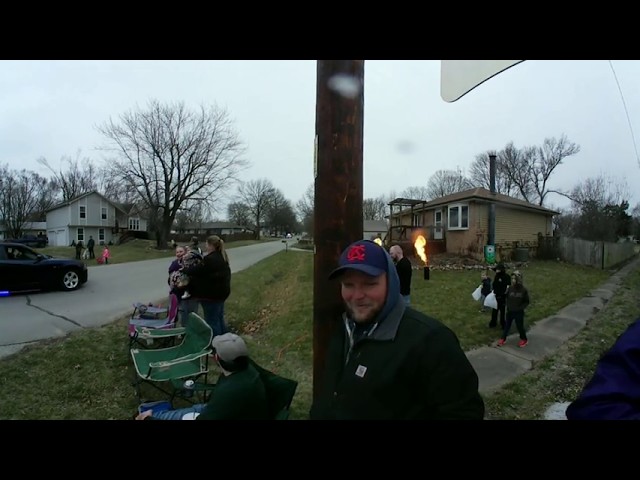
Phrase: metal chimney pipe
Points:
(492, 206)
(492, 173)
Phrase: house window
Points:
(104, 213)
(134, 224)
(101, 236)
(80, 234)
(415, 220)
(83, 211)
(458, 217)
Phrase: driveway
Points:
(107, 296)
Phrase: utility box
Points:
(490, 254)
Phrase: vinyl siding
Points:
(520, 226)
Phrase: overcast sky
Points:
(50, 109)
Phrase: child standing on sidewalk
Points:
(486, 289)
(517, 300)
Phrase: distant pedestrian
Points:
(79, 248)
(90, 246)
(517, 299)
(106, 254)
(499, 287)
(403, 267)
(485, 289)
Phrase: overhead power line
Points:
(624, 103)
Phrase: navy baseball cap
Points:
(365, 256)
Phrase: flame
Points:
(420, 246)
(378, 240)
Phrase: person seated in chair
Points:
(239, 393)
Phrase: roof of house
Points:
(484, 195)
(84, 195)
(405, 202)
(212, 225)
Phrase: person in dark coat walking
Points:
(90, 246)
(387, 361)
(501, 282)
(517, 299)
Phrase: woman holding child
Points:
(210, 283)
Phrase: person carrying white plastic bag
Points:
(477, 293)
(491, 301)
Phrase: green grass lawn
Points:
(87, 374)
(132, 251)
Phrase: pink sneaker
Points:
(501, 342)
(523, 343)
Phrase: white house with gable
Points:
(89, 214)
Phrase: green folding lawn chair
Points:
(280, 391)
(154, 327)
(164, 368)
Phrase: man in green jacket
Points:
(387, 360)
(239, 393)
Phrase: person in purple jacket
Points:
(613, 393)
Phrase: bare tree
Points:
(47, 197)
(305, 209)
(601, 190)
(109, 182)
(79, 176)
(548, 157)
(374, 208)
(446, 182)
(598, 211)
(19, 195)
(257, 195)
(170, 155)
(531, 168)
(516, 164)
(239, 213)
(280, 215)
(479, 173)
(415, 193)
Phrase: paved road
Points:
(107, 296)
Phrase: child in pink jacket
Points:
(106, 254)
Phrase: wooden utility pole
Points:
(338, 190)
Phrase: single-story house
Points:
(213, 228)
(28, 228)
(374, 228)
(459, 223)
(89, 214)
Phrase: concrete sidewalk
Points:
(497, 366)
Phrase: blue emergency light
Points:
(4, 293)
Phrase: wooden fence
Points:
(596, 254)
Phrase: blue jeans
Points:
(407, 299)
(214, 316)
(179, 413)
(186, 307)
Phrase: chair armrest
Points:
(151, 310)
(145, 332)
(187, 358)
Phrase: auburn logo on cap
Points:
(356, 253)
